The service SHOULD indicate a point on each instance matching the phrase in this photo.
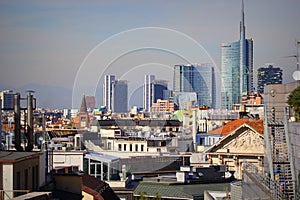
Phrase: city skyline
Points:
(237, 67)
(44, 43)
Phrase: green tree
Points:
(294, 102)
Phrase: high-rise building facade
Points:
(236, 68)
(107, 91)
(120, 96)
(196, 78)
(147, 92)
(153, 90)
(268, 75)
(7, 97)
(158, 87)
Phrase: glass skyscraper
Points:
(268, 75)
(158, 87)
(236, 68)
(120, 96)
(199, 79)
(153, 90)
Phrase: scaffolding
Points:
(279, 156)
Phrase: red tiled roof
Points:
(232, 125)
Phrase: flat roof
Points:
(32, 195)
(101, 157)
(14, 156)
(180, 191)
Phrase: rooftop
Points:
(15, 156)
(184, 191)
(232, 125)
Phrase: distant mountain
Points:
(50, 96)
(46, 96)
(60, 97)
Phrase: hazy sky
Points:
(49, 42)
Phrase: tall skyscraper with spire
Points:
(236, 67)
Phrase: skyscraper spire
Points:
(242, 23)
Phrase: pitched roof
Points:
(15, 156)
(232, 125)
(99, 189)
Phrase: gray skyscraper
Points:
(107, 91)
(236, 68)
(268, 75)
(196, 78)
(147, 92)
(120, 96)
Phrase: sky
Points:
(73, 44)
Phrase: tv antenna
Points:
(296, 74)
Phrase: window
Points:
(120, 147)
(33, 179)
(125, 147)
(75, 168)
(18, 181)
(142, 147)
(36, 176)
(109, 146)
(201, 141)
(26, 179)
(130, 147)
(136, 147)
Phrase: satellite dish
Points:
(296, 75)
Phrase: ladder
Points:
(279, 156)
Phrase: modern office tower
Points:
(147, 92)
(199, 79)
(90, 103)
(107, 91)
(158, 87)
(7, 97)
(268, 75)
(120, 96)
(236, 68)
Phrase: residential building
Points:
(268, 75)
(119, 96)
(199, 79)
(21, 172)
(276, 96)
(243, 141)
(147, 92)
(162, 106)
(107, 91)
(236, 68)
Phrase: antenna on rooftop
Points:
(296, 74)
